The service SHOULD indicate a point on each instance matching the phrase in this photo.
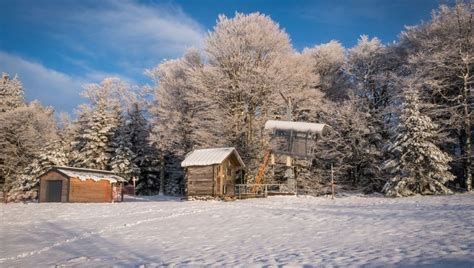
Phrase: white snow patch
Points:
(84, 175)
(291, 231)
(295, 126)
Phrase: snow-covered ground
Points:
(347, 231)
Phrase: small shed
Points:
(212, 171)
(293, 138)
(68, 184)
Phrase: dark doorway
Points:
(53, 191)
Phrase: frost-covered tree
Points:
(419, 166)
(111, 132)
(24, 131)
(67, 131)
(94, 150)
(174, 121)
(146, 156)
(365, 63)
(349, 145)
(122, 157)
(441, 54)
(29, 140)
(11, 93)
(26, 186)
(248, 67)
(327, 62)
(372, 67)
(93, 142)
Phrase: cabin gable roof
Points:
(211, 156)
(86, 174)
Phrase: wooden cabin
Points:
(67, 184)
(294, 139)
(212, 172)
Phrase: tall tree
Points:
(26, 185)
(94, 136)
(24, 131)
(146, 156)
(122, 159)
(174, 131)
(327, 62)
(11, 93)
(248, 57)
(373, 87)
(348, 145)
(419, 166)
(441, 55)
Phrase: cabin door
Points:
(53, 191)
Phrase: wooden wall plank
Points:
(90, 191)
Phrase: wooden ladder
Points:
(262, 169)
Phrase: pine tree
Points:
(419, 165)
(146, 157)
(94, 152)
(122, 161)
(97, 125)
(11, 93)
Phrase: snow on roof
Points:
(205, 157)
(296, 126)
(90, 174)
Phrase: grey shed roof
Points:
(295, 126)
(212, 156)
(89, 174)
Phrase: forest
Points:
(399, 114)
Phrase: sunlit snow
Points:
(348, 231)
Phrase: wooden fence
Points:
(263, 190)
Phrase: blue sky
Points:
(56, 46)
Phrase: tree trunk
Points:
(467, 132)
(162, 177)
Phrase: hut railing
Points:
(264, 190)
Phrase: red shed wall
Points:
(90, 191)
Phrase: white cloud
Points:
(50, 87)
(123, 34)
(90, 40)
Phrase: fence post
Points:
(296, 188)
(332, 182)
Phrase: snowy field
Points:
(292, 231)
